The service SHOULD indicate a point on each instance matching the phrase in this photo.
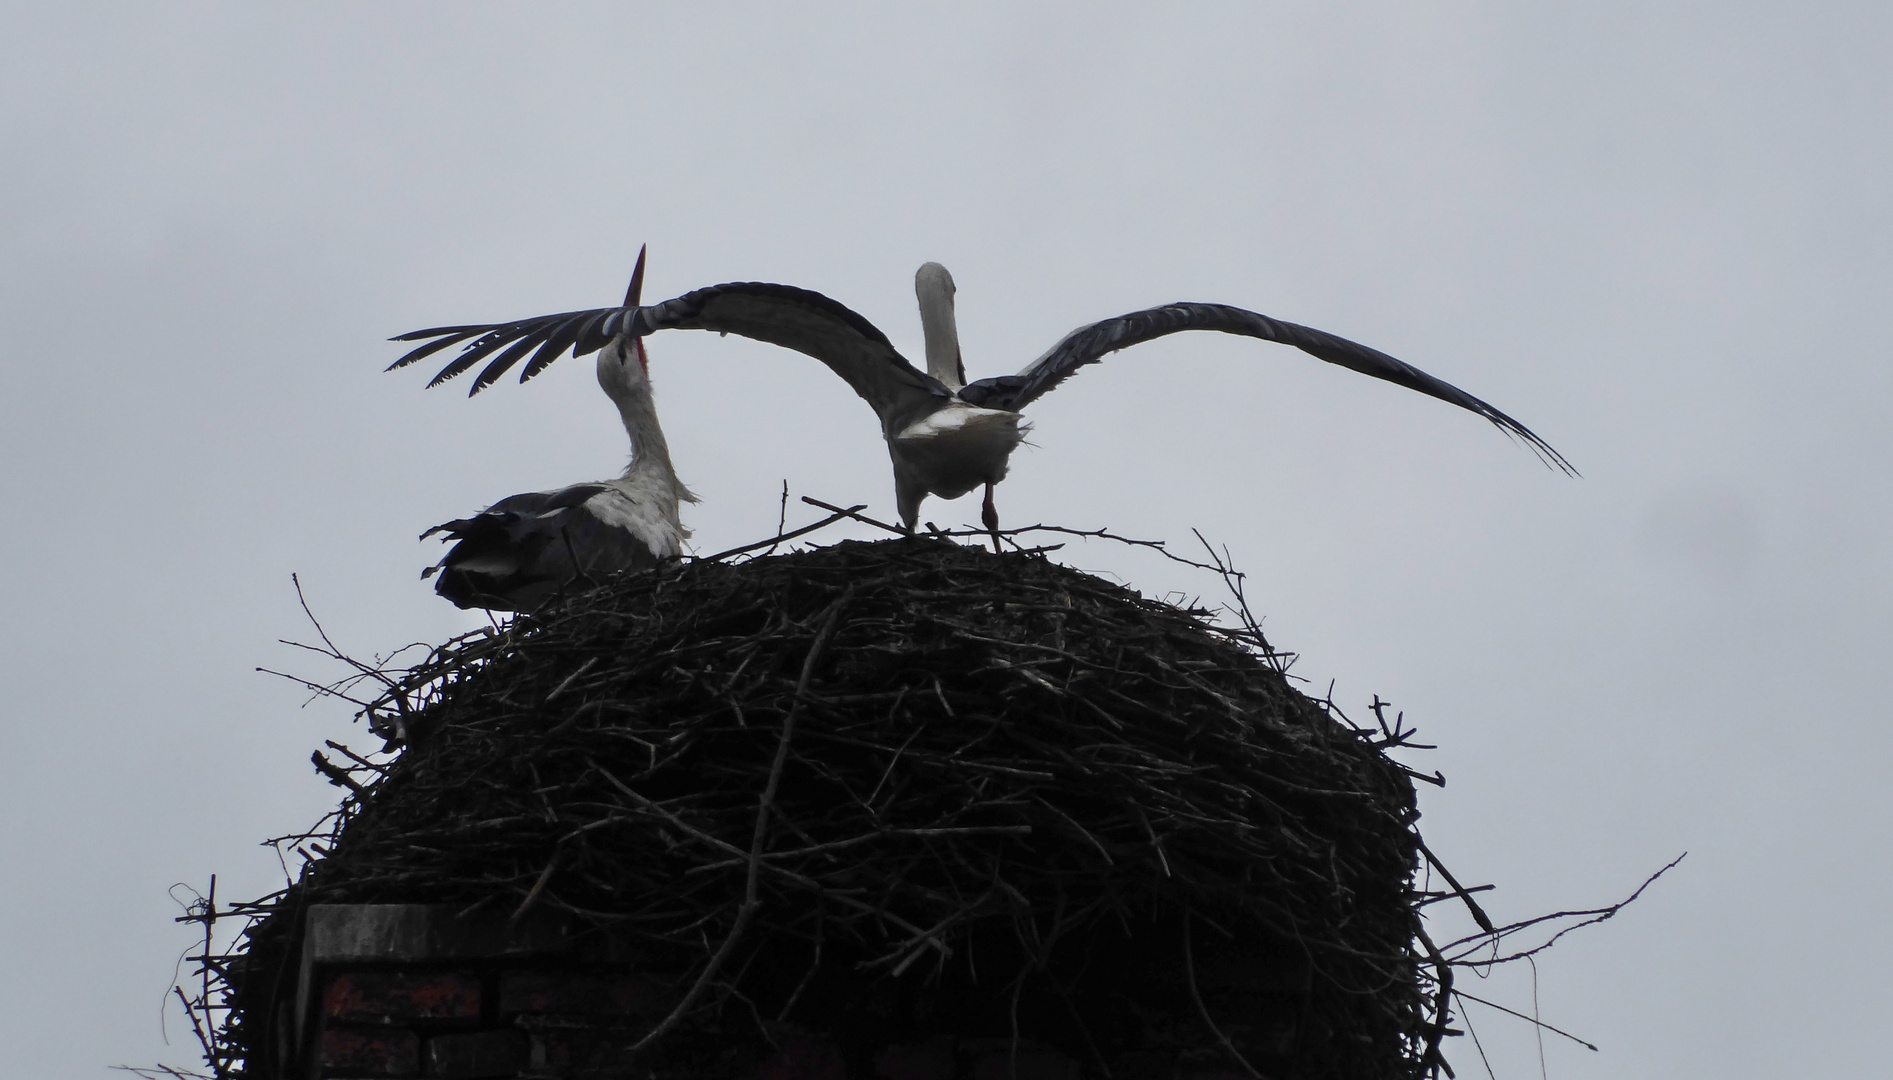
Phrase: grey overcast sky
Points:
(1656, 232)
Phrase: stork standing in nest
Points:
(946, 436)
(522, 549)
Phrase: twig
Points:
(1522, 1016)
(371, 672)
(1431, 1059)
(354, 757)
(780, 537)
(1202, 1010)
(852, 513)
(1590, 917)
(821, 925)
(538, 886)
(1478, 914)
(590, 663)
(336, 774)
(782, 518)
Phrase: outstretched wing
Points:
(1089, 344)
(798, 319)
(580, 331)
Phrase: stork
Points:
(946, 436)
(522, 549)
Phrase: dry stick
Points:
(210, 928)
(1479, 1046)
(895, 760)
(354, 757)
(852, 513)
(1478, 914)
(197, 1029)
(336, 775)
(319, 690)
(751, 886)
(1430, 899)
(1590, 917)
(570, 679)
(152, 1072)
(366, 708)
(821, 925)
(771, 543)
(915, 947)
(1522, 1016)
(538, 887)
(1082, 831)
(364, 669)
(1442, 1007)
(1083, 534)
(782, 519)
(1189, 969)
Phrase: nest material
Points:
(906, 765)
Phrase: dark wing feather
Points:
(1089, 344)
(544, 502)
(561, 337)
(567, 327)
(814, 325)
(527, 342)
(798, 319)
(475, 351)
(448, 335)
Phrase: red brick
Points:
(805, 1057)
(392, 996)
(581, 994)
(369, 1052)
(476, 1054)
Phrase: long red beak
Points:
(636, 292)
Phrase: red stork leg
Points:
(989, 517)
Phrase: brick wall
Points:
(400, 990)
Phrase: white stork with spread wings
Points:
(522, 549)
(946, 435)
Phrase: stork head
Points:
(624, 366)
(933, 278)
(933, 287)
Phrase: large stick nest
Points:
(875, 764)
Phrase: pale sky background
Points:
(1657, 233)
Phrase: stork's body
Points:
(950, 452)
(519, 551)
(946, 436)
